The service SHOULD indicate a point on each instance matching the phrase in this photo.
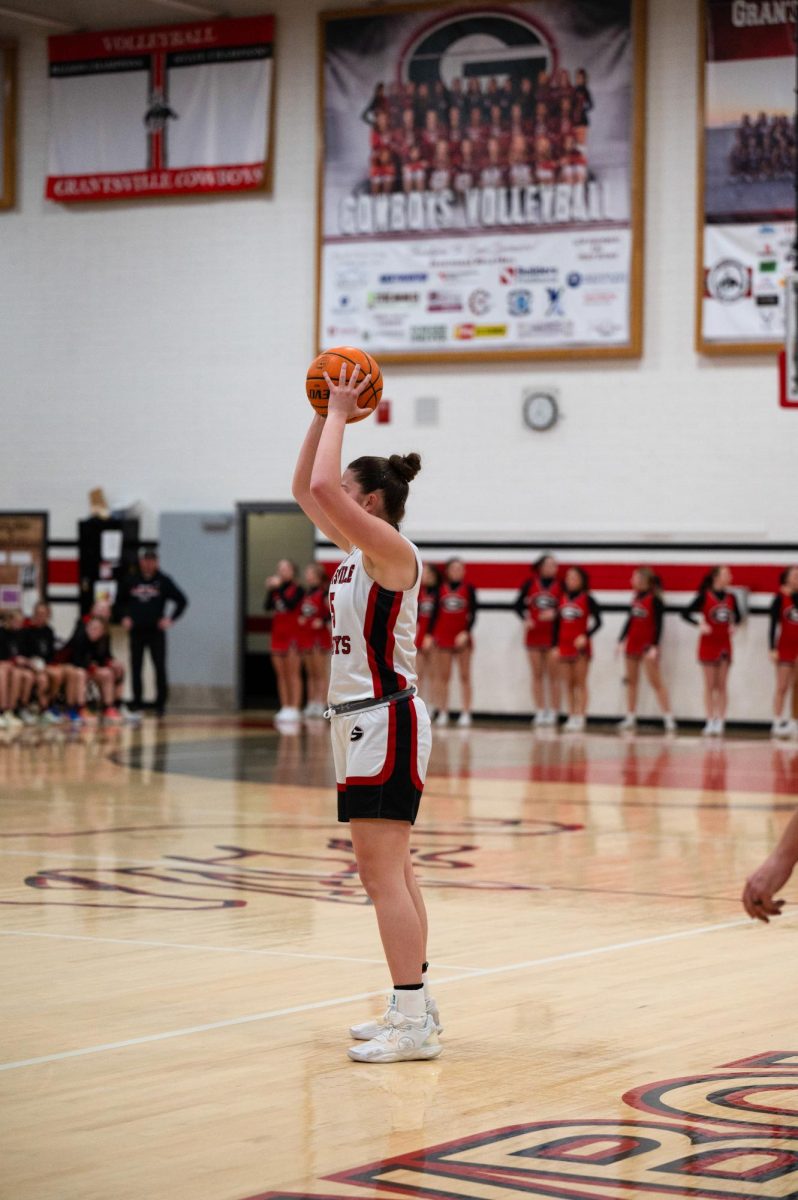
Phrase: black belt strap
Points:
(353, 706)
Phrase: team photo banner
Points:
(746, 204)
(164, 111)
(481, 180)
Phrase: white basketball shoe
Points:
(400, 1039)
(369, 1029)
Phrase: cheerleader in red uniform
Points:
(784, 647)
(283, 598)
(537, 605)
(315, 640)
(714, 610)
(450, 626)
(639, 640)
(578, 618)
(427, 604)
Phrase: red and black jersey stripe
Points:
(381, 615)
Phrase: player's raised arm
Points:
(300, 486)
(342, 500)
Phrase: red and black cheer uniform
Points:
(455, 612)
(643, 626)
(784, 626)
(719, 611)
(536, 597)
(313, 621)
(283, 603)
(578, 614)
(427, 603)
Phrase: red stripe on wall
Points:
(63, 571)
(614, 576)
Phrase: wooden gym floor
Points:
(184, 944)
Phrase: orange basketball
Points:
(330, 361)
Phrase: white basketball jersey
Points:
(373, 633)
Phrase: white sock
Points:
(411, 1004)
(425, 985)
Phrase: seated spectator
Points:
(19, 676)
(89, 657)
(40, 649)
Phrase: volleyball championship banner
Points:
(166, 111)
(481, 180)
(746, 216)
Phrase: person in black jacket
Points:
(142, 608)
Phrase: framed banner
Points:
(746, 175)
(23, 560)
(8, 123)
(173, 110)
(481, 180)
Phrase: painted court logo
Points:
(728, 1134)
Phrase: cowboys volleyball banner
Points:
(746, 191)
(481, 181)
(165, 111)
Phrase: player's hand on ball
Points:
(761, 887)
(344, 394)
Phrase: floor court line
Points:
(338, 1001)
(82, 937)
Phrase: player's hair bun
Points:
(406, 465)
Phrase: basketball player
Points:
(537, 604)
(771, 876)
(783, 637)
(283, 598)
(718, 615)
(451, 626)
(380, 728)
(639, 640)
(578, 618)
(315, 642)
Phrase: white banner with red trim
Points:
(166, 110)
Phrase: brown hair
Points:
(653, 581)
(391, 476)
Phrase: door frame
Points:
(243, 510)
